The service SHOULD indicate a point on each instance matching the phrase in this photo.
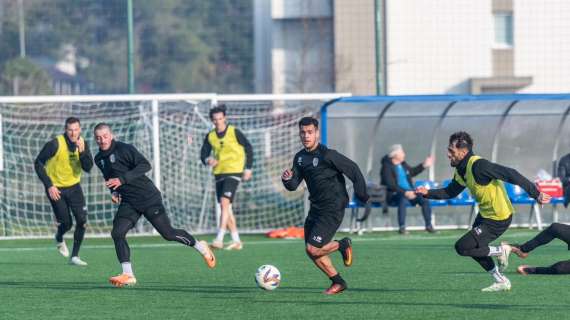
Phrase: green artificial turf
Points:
(393, 277)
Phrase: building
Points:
(428, 47)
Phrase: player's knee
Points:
(460, 248)
(81, 223)
(118, 234)
(169, 236)
(225, 203)
(313, 252)
(555, 228)
(67, 225)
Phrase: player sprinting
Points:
(322, 170)
(59, 165)
(123, 168)
(484, 180)
(231, 162)
(555, 230)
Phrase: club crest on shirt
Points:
(102, 162)
(315, 162)
(300, 160)
(477, 230)
(112, 158)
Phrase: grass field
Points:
(393, 277)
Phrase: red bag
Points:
(552, 187)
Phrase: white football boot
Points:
(235, 246)
(217, 244)
(498, 286)
(76, 261)
(62, 248)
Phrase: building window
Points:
(504, 29)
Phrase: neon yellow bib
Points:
(493, 201)
(64, 168)
(227, 150)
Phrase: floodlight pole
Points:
(130, 45)
(22, 28)
(380, 45)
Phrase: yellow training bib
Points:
(493, 201)
(64, 168)
(227, 150)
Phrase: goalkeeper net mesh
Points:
(187, 186)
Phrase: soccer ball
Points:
(268, 277)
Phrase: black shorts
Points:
(72, 199)
(127, 211)
(226, 186)
(320, 229)
(486, 231)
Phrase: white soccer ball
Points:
(268, 277)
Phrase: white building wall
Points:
(299, 48)
(542, 44)
(297, 9)
(434, 47)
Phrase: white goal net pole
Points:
(168, 129)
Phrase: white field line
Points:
(264, 242)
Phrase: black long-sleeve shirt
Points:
(125, 162)
(323, 169)
(389, 178)
(207, 147)
(484, 172)
(50, 149)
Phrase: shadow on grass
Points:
(311, 296)
(31, 263)
(321, 300)
(211, 289)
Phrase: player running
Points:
(484, 180)
(232, 162)
(123, 168)
(323, 169)
(59, 165)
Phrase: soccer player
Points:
(555, 230)
(59, 165)
(232, 154)
(322, 169)
(484, 180)
(123, 168)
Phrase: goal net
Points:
(170, 133)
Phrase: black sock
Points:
(338, 279)
(342, 245)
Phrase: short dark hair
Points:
(71, 120)
(217, 109)
(102, 125)
(461, 140)
(307, 121)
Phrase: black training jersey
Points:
(125, 162)
(323, 169)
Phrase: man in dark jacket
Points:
(396, 174)
(124, 168)
(323, 171)
(564, 175)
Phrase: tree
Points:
(22, 77)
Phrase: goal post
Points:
(169, 131)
